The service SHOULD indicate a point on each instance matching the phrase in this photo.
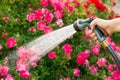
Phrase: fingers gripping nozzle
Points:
(82, 24)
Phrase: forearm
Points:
(115, 25)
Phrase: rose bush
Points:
(76, 58)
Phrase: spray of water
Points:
(43, 44)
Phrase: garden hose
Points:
(80, 25)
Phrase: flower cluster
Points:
(26, 58)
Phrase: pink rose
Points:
(87, 63)
(93, 69)
(30, 17)
(47, 29)
(1, 47)
(11, 42)
(108, 78)
(51, 55)
(41, 25)
(6, 19)
(96, 50)
(25, 74)
(44, 3)
(38, 14)
(76, 72)
(110, 67)
(81, 58)
(22, 67)
(4, 70)
(17, 20)
(70, 8)
(116, 75)
(32, 29)
(101, 62)
(9, 77)
(58, 14)
(48, 18)
(67, 48)
(3, 35)
(67, 79)
(59, 22)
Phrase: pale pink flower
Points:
(96, 49)
(4, 70)
(58, 14)
(3, 35)
(48, 18)
(34, 64)
(34, 58)
(81, 58)
(110, 67)
(38, 14)
(60, 79)
(22, 67)
(45, 11)
(86, 32)
(76, 72)
(11, 42)
(101, 62)
(67, 78)
(67, 48)
(44, 3)
(87, 52)
(32, 29)
(51, 55)
(41, 25)
(108, 78)
(60, 22)
(93, 69)
(9, 77)
(17, 20)
(1, 47)
(47, 29)
(31, 17)
(87, 63)
(25, 74)
(6, 19)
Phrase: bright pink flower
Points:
(31, 17)
(32, 29)
(93, 69)
(113, 45)
(48, 18)
(3, 35)
(108, 78)
(58, 14)
(113, 3)
(60, 22)
(38, 14)
(44, 3)
(101, 62)
(4, 70)
(96, 50)
(67, 48)
(47, 29)
(81, 58)
(1, 47)
(25, 74)
(41, 25)
(109, 40)
(11, 42)
(85, 5)
(67, 79)
(6, 19)
(116, 75)
(52, 55)
(70, 8)
(76, 72)
(9, 77)
(110, 67)
(17, 20)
